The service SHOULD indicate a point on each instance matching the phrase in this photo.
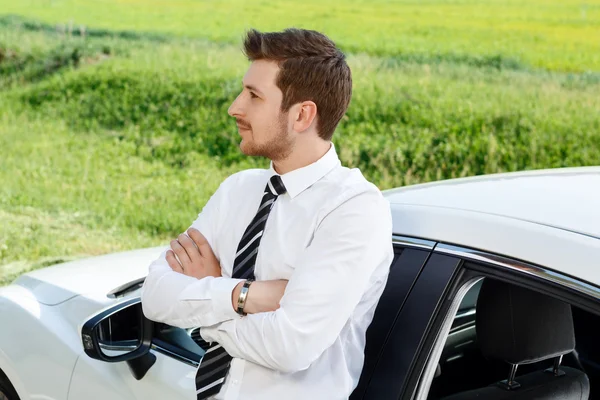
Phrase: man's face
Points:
(264, 129)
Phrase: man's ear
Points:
(306, 114)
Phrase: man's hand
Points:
(263, 296)
(196, 258)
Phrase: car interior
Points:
(509, 342)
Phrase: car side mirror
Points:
(120, 333)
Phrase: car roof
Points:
(566, 198)
(547, 217)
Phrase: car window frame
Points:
(405, 340)
(474, 265)
(410, 257)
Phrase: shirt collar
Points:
(298, 180)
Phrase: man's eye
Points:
(253, 95)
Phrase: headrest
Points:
(521, 326)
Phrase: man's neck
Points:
(302, 156)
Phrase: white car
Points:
(491, 273)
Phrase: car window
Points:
(464, 368)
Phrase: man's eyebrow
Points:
(253, 88)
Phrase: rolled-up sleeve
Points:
(332, 275)
(184, 301)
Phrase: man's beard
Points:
(278, 147)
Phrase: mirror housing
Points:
(94, 329)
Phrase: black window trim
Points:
(415, 253)
(402, 349)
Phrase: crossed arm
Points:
(185, 286)
(191, 255)
(290, 324)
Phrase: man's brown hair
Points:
(312, 68)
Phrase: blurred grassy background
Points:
(555, 34)
(113, 135)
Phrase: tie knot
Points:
(275, 186)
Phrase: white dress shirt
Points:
(330, 235)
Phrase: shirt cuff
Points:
(215, 333)
(220, 290)
(217, 291)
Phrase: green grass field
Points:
(553, 34)
(115, 139)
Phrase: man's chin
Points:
(247, 148)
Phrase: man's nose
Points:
(235, 109)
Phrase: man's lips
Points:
(241, 125)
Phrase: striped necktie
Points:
(214, 366)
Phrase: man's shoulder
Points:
(346, 191)
(344, 185)
(350, 182)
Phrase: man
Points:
(284, 267)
